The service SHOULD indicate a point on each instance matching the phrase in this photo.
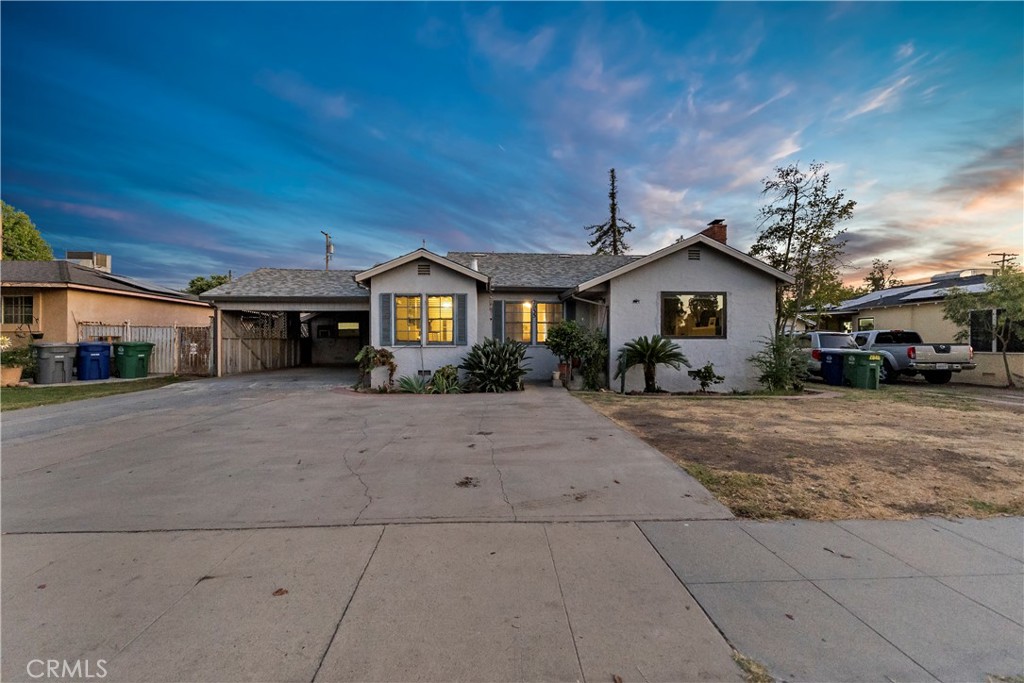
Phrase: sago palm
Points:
(650, 353)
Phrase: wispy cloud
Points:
(293, 88)
(491, 38)
(905, 50)
(993, 180)
(87, 211)
(879, 98)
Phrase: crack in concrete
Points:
(359, 478)
(494, 463)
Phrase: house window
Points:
(547, 314)
(441, 319)
(348, 329)
(17, 310)
(528, 321)
(518, 319)
(407, 319)
(693, 314)
(982, 338)
(865, 324)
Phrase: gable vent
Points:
(423, 269)
(693, 253)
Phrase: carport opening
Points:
(334, 338)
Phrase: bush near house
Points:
(495, 366)
(649, 353)
(572, 342)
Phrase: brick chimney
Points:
(716, 230)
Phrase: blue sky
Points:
(193, 138)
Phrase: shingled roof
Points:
(921, 292)
(540, 271)
(57, 273)
(287, 283)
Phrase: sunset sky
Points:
(193, 138)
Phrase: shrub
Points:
(369, 358)
(494, 366)
(446, 381)
(706, 376)
(650, 353)
(782, 364)
(412, 385)
(570, 341)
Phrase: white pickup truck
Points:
(903, 353)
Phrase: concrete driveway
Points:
(171, 571)
(296, 448)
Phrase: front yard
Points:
(903, 451)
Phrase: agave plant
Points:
(412, 384)
(650, 353)
(446, 381)
(495, 366)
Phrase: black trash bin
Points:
(93, 361)
(56, 362)
(832, 367)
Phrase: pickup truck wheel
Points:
(886, 374)
(938, 377)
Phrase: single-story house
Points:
(715, 301)
(48, 300)
(919, 307)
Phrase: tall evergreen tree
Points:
(21, 238)
(609, 237)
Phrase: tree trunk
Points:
(650, 385)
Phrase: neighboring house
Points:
(919, 307)
(49, 299)
(715, 301)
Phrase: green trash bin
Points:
(132, 359)
(861, 369)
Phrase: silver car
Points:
(813, 343)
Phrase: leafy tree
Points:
(650, 353)
(21, 238)
(881, 276)
(1004, 294)
(782, 363)
(609, 237)
(799, 235)
(200, 284)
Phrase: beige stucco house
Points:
(47, 300)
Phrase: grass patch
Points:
(16, 398)
(753, 670)
(987, 508)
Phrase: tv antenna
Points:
(328, 250)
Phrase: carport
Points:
(275, 318)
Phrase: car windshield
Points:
(837, 341)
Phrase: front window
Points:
(865, 324)
(440, 319)
(547, 315)
(17, 310)
(518, 316)
(692, 314)
(407, 319)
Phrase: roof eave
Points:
(424, 254)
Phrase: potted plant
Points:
(13, 361)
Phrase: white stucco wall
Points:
(541, 361)
(405, 280)
(750, 316)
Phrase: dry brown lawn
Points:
(903, 451)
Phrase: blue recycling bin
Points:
(93, 360)
(832, 368)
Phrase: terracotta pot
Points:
(10, 377)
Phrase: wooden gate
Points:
(176, 350)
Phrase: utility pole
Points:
(1004, 259)
(328, 250)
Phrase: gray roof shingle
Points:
(292, 284)
(66, 272)
(540, 271)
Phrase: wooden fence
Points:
(176, 350)
(255, 341)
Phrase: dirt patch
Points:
(468, 482)
(897, 453)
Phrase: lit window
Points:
(547, 314)
(17, 310)
(440, 319)
(692, 314)
(518, 319)
(865, 324)
(407, 319)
